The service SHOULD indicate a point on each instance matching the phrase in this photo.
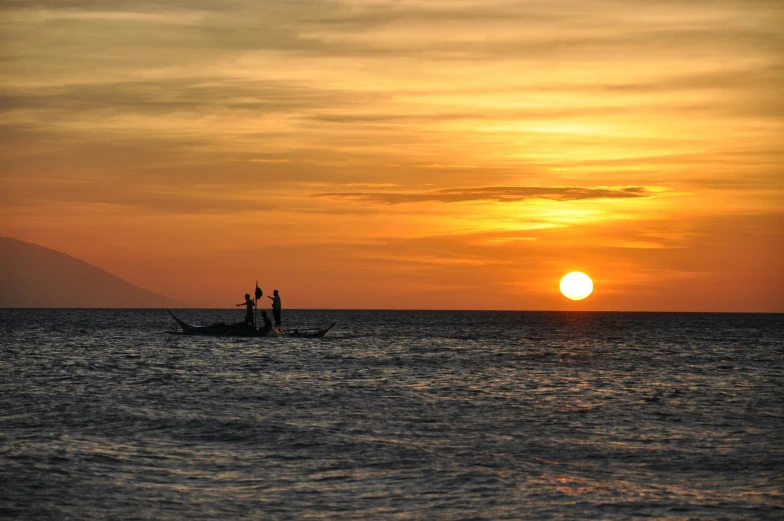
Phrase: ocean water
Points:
(394, 415)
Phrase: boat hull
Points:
(241, 329)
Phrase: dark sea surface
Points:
(394, 415)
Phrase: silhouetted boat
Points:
(242, 329)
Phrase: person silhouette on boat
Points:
(249, 313)
(275, 307)
(267, 321)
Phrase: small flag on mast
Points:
(256, 307)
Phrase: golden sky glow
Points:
(403, 154)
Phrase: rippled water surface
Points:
(394, 415)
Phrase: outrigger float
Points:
(242, 329)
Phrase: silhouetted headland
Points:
(37, 277)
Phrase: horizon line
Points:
(412, 310)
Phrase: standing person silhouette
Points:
(249, 313)
(275, 307)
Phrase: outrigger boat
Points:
(244, 330)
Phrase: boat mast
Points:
(256, 307)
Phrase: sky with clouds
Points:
(403, 154)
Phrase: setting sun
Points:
(576, 285)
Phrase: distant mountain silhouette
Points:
(32, 277)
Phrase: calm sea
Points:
(394, 415)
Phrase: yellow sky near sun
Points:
(406, 154)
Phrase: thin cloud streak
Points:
(499, 194)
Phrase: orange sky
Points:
(403, 154)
